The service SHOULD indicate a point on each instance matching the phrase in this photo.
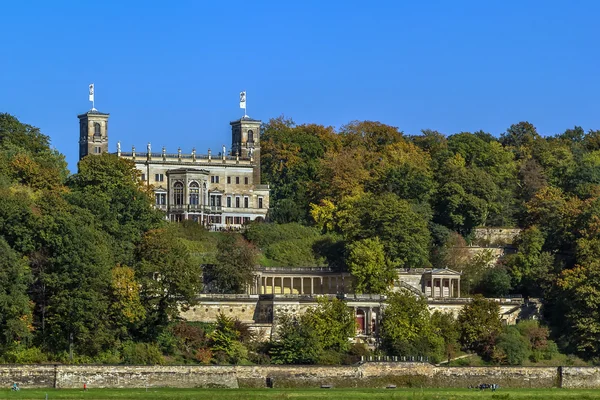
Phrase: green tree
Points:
(15, 306)
(333, 322)
(530, 266)
(512, 348)
(520, 138)
(368, 266)
(225, 341)
(110, 188)
(406, 327)
(290, 161)
(479, 324)
(169, 278)
(445, 326)
(297, 342)
(236, 262)
(467, 196)
(403, 232)
(73, 280)
(495, 282)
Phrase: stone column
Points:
(281, 282)
(301, 285)
(312, 289)
(272, 285)
(458, 280)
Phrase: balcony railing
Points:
(194, 208)
(212, 209)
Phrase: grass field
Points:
(251, 394)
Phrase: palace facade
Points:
(221, 191)
(224, 191)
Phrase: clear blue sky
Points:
(170, 72)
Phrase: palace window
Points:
(178, 193)
(159, 177)
(161, 199)
(97, 133)
(215, 219)
(237, 180)
(214, 179)
(245, 180)
(237, 202)
(229, 220)
(228, 201)
(194, 193)
(246, 220)
(97, 150)
(250, 136)
(246, 201)
(260, 202)
(229, 180)
(237, 220)
(144, 177)
(215, 200)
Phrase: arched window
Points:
(178, 193)
(194, 193)
(250, 136)
(97, 129)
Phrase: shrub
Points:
(330, 357)
(108, 357)
(294, 253)
(204, 355)
(495, 282)
(263, 235)
(141, 353)
(512, 348)
(22, 355)
(168, 342)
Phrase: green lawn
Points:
(250, 394)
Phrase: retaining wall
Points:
(370, 374)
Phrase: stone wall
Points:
(370, 374)
(497, 235)
(243, 307)
(580, 377)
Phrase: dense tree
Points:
(297, 342)
(406, 327)
(291, 160)
(110, 188)
(15, 306)
(530, 266)
(372, 273)
(236, 261)
(445, 326)
(402, 231)
(333, 322)
(479, 325)
(170, 279)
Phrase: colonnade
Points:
(436, 287)
(302, 285)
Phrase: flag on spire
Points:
(91, 92)
(243, 100)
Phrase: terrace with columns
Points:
(431, 283)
